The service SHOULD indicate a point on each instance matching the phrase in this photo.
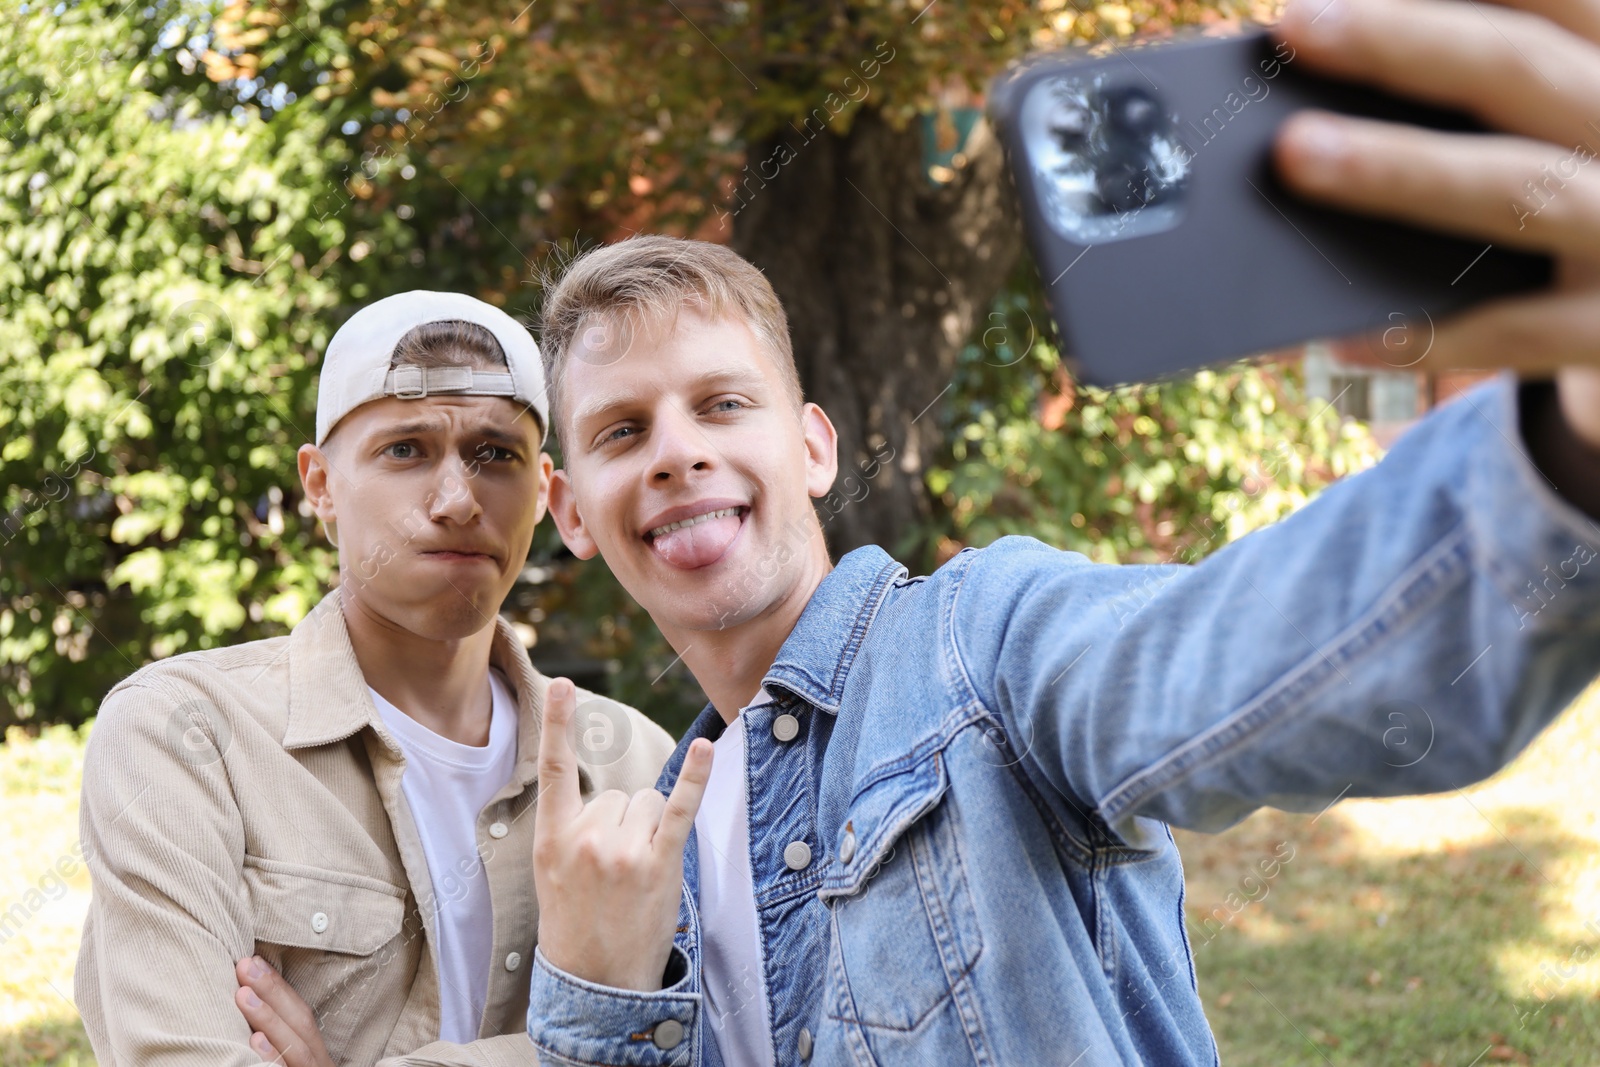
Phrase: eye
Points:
(495, 452)
(725, 405)
(619, 434)
(389, 450)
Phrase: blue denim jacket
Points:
(988, 758)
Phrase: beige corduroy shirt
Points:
(247, 800)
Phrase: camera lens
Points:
(1068, 125)
(1125, 184)
(1133, 111)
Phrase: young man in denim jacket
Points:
(935, 829)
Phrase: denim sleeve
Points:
(1409, 631)
(575, 1023)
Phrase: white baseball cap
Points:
(355, 368)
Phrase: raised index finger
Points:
(559, 796)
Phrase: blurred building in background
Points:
(1387, 400)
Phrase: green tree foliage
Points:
(1156, 473)
(192, 197)
(164, 270)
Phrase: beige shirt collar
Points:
(328, 698)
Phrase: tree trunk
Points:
(884, 277)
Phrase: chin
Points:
(718, 609)
(453, 621)
(448, 615)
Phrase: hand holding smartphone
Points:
(1165, 239)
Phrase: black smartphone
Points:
(1166, 243)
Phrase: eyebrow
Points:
(605, 403)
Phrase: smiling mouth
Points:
(720, 513)
(699, 540)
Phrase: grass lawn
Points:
(40, 911)
(1456, 931)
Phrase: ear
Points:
(314, 467)
(564, 510)
(541, 501)
(822, 450)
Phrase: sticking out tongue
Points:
(697, 545)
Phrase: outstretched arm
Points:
(1409, 631)
(1415, 626)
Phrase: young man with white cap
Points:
(317, 848)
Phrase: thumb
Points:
(559, 799)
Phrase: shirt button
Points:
(498, 829)
(797, 855)
(847, 847)
(319, 922)
(668, 1034)
(513, 961)
(785, 727)
(803, 1045)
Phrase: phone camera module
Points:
(1107, 157)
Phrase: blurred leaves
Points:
(194, 194)
(1155, 473)
(164, 271)
(610, 114)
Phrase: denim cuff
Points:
(575, 1023)
(1541, 551)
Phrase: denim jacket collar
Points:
(815, 659)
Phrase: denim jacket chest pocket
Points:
(904, 935)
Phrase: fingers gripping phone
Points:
(1164, 240)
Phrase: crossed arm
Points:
(163, 974)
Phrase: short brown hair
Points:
(647, 279)
(449, 343)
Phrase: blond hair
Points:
(646, 280)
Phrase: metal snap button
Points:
(785, 728)
(668, 1034)
(797, 855)
(847, 847)
(498, 829)
(513, 961)
(319, 922)
(803, 1045)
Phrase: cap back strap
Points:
(411, 382)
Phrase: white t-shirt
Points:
(730, 941)
(447, 786)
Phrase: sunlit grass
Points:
(44, 894)
(1450, 930)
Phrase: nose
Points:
(453, 499)
(681, 447)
